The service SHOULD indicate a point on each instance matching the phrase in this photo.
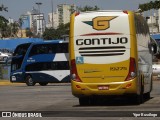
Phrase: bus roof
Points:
(124, 11)
(50, 42)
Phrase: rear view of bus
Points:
(103, 55)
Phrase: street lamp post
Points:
(39, 3)
(52, 12)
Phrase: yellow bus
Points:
(110, 54)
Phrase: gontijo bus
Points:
(41, 62)
(110, 54)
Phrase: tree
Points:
(50, 34)
(2, 8)
(150, 5)
(29, 33)
(3, 22)
(53, 34)
(20, 21)
(88, 8)
(3, 27)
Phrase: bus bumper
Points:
(107, 89)
(17, 78)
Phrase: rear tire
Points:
(29, 81)
(139, 98)
(43, 84)
(84, 101)
(147, 95)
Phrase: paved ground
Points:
(58, 102)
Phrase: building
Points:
(34, 21)
(61, 16)
(55, 23)
(26, 21)
(38, 23)
(153, 23)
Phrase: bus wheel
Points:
(29, 81)
(147, 95)
(43, 84)
(83, 101)
(139, 98)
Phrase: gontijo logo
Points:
(100, 22)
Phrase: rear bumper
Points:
(115, 88)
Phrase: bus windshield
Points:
(18, 56)
(21, 49)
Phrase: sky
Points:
(19, 7)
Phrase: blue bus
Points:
(41, 62)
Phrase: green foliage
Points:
(53, 34)
(14, 27)
(29, 33)
(88, 8)
(150, 5)
(3, 26)
(3, 8)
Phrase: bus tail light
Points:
(77, 13)
(125, 11)
(74, 74)
(132, 70)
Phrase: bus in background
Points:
(43, 63)
(18, 55)
(110, 55)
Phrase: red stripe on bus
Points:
(108, 33)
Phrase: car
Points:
(4, 57)
(156, 70)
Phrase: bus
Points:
(41, 62)
(110, 55)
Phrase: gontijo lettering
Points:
(102, 41)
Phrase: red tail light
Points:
(77, 13)
(74, 74)
(132, 70)
(125, 11)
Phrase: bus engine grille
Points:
(102, 51)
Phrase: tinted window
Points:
(60, 65)
(16, 63)
(49, 49)
(21, 49)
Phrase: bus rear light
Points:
(132, 70)
(129, 85)
(74, 74)
(77, 13)
(125, 11)
(77, 86)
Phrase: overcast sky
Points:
(18, 7)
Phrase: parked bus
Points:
(110, 55)
(42, 62)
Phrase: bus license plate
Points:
(103, 87)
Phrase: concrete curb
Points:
(8, 83)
